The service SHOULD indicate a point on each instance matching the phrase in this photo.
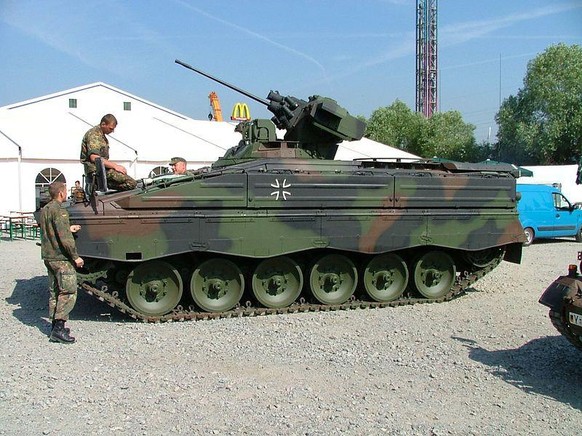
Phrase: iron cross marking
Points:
(280, 189)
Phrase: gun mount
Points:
(314, 128)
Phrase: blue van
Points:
(545, 213)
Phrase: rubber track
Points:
(180, 314)
(558, 321)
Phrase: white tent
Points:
(564, 176)
(366, 148)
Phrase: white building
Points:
(40, 140)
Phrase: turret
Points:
(314, 128)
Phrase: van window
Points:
(539, 201)
(560, 202)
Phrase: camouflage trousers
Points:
(62, 279)
(120, 181)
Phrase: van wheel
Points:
(529, 236)
(579, 235)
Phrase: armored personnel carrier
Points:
(277, 225)
(564, 298)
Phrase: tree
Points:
(446, 135)
(542, 124)
(397, 126)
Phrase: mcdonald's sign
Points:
(240, 112)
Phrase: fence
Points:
(19, 225)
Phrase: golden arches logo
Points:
(240, 112)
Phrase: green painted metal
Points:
(385, 277)
(277, 282)
(333, 279)
(272, 211)
(154, 287)
(434, 274)
(217, 285)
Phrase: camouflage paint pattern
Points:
(318, 221)
(265, 209)
(94, 142)
(57, 242)
(119, 181)
(62, 281)
(564, 300)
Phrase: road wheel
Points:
(333, 279)
(385, 277)
(434, 274)
(154, 288)
(277, 282)
(217, 285)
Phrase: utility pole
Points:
(426, 57)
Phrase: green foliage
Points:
(396, 125)
(444, 135)
(542, 124)
(447, 135)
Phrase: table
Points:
(22, 225)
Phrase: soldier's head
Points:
(178, 165)
(108, 124)
(58, 191)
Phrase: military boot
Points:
(60, 334)
(68, 330)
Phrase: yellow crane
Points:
(216, 113)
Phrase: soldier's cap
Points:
(175, 160)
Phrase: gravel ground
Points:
(489, 362)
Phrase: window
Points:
(72, 103)
(42, 182)
(127, 105)
(158, 171)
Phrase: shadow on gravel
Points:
(30, 297)
(547, 366)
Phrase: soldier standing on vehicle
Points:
(95, 144)
(60, 257)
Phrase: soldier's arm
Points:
(108, 164)
(62, 229)
(94, 143)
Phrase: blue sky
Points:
(361, 53)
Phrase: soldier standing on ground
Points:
(95, 144)
(60, 257)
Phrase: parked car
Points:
(545, 212)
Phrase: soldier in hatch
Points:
(95, 144)
(60, 257)
(178, 165)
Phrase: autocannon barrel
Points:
(222, 82)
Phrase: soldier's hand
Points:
(120, 168)
(79, 262)
(75, 228)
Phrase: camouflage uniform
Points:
(95, 142)
(59, 252)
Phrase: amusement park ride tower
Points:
(426, 57)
